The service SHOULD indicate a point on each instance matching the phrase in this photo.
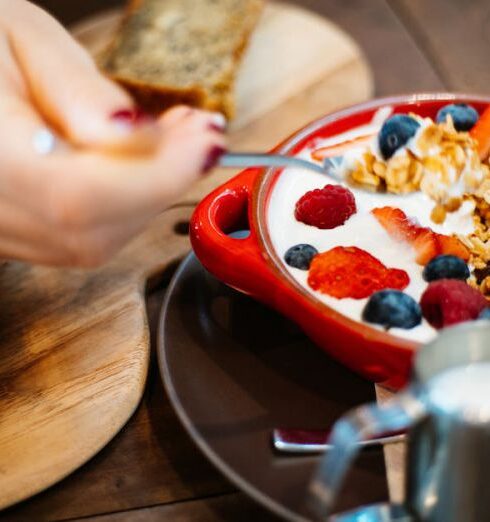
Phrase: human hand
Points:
(79, 204)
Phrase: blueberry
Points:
(464, 116)
(392, 308)
(395, 133)
(446, 267)
(300, 256)
(485, 313)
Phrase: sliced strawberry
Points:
(452, 246)
(426, 243)
(426, 246)
(396, 223)
(352, 272)
(339, 148)
(397, 279)
(481, 133)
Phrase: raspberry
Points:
(328, 207)
(449, 301)
(352, 272)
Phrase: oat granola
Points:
(478, 243)
(440, 159)
(447, 160)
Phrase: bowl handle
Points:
(238, 262)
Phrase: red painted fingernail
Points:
(217, 128)
(131, 116)
(213, 157)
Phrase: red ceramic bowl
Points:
(252, 266)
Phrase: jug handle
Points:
(364, 422)
(375, 513)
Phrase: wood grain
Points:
(75, 344)
(74, 358)
(455, 36)
(235, 507)
(150, 461)
(398, 63)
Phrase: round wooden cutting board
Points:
(74, 345)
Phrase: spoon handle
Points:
(316, 441)
(252, 159)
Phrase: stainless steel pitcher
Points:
(448, 458)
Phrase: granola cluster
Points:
(478, 243)
(439, 159)
(399, 174)
(444, 164)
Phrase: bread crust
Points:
(156, 97)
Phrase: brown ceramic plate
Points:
(234, 370)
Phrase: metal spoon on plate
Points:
(308, 442)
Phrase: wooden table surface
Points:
(152, 470)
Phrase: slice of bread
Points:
(168, 52)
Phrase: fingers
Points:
(89, 188)
(89, 206)
(77, 207)
(70, 93)
(147, 133)
(10, 76)
(74, 189)
(174, 115)
(63, 80)
(24, 237)
(213, 120)
(190, 149)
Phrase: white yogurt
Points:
(361, 230)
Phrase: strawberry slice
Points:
(426, 246)
(339, 148)
(396, 223)
(426, 243)
(452, 246)
(352, 272)
(481, 133)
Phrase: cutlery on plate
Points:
(316, 441)
(253, 159)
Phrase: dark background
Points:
(69, 11)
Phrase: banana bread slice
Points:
(181, 51)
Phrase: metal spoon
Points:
(307, 442)
(252, 159)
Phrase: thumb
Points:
(64, 83)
